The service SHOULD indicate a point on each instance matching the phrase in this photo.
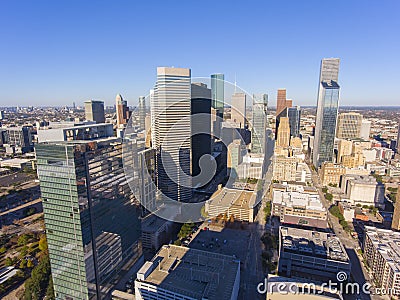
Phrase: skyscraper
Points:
(327, 110)
(283, 138)
(172, 98)
(258, 131)
(238, 109)
(94, 111)
(92, 224)
(217, 93)
(142, 112)
(398, 139)
(121, 110)
(294, 115)
(282, 105)
(349, 125)
(365, 129)
(201, 129)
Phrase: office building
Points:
(92, 224)
(2, 115)
(142, 112)
(178, 272)
(312, 255)
(363, 190)
(354, 160)
(396, 213)
(122, 111)
(259, 123)
(201, 132)
(284, 168)
(382, 254)
(398, 139)
(238, 109)
(345, 147)
(217, 93)
(331, 173)
(283, 138)
(294, 115)
(20, 137)
(94, 111)
(75, 133)
(281, 102)
(153, 118)
(239, 203)
(156, 232)
(349, 125)
(298, 205)
(327, 110)
(236, 151)
(365, 129)
(172, 98)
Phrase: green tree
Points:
(23, 239)
(50, 290)
(22, 264)
(37, 284)
(3, 250)
(9, 262)
(30, 264)
(43, 243)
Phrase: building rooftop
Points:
(228, 197)
(387, 243)
(190, 272)
(312, 243)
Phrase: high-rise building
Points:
(1, 114)
(365, 129)
(398, 139)
(294, 115)
(283, 138)
(327, 110)
(235, 153)
(121, 110)
(92, 224)
(282, 106)
(349, 125)
(142, 112)
(172, 98)
(238, 109)
(94, 111)
(201, 130)
(259, 126)
(217, 93)
(344, 148)
(396, 213)
(153, 117)
(20, 137)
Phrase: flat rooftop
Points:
(387, 243)
(312, 243)
(191, 272)
(227, 197)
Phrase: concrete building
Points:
(349, 125)
(396, 213)
(252, 170)
(75, 133)
(238, 109)
(382, 253)
(284, 168)
(283, 138)
(354, 160)
(259, 123)
(94, 111)
(345, 147)
(299, 206)
(241, 204)
(172, 99)
(331, 173)
(184, 273)
(327, 110)
(122, 111)
(236, 151)
(156, 232)
(312, 255)
(363, 190)
(92, 224)
(365, 129)
(141, 113)
(20, 137)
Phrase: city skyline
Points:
(95, 58)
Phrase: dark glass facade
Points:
(92, 223)
(217, 93)
(294, 114)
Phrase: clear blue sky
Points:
(57, 52)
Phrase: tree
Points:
(50, 290)
(43, 243)
(37, 285)
(9, 262)
(22, 264)
(3, 250)
(329, 196)
(30, 263)
(24, 239)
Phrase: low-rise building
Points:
(331, 173)
(299, 206)
(178, 272)
(241, 204)
(284, 168)
(312, 255)
(382, 253)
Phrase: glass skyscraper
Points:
(91, 218)
(327, 111)
(258, 132)
(294, 114)
(217, 93)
